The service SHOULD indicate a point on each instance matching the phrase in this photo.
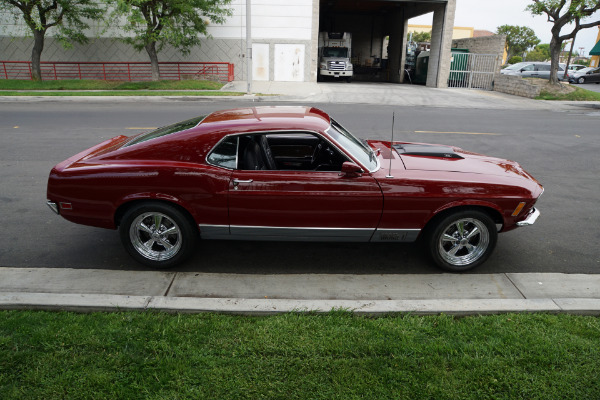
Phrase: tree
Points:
(154, 23)
(515, 60)
(562, 13)
(541, 52)
(519, 39)
(67, 16)
(420, 37)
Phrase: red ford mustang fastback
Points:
(290, 173)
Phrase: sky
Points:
(490, 14)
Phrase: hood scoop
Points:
(426, 150)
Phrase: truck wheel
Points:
(349, 79)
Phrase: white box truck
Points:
(335, 50)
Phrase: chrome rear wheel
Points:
(158, 234)
(155, 236)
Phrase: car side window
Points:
(528, 68)
(288, 151)
(225, 154)
(543, 67)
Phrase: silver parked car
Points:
(575, 68)
(533, 70)
(586, 75)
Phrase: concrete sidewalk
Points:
(460, 294)
(397, 95)
(385, 94)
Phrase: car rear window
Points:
(167, 130)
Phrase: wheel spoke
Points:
(157, 221)
(460, 226)
(454, 250)
(165, 244)
(170, 231)
(149, 243)
(448, 238)
(145, 228)
(474, 232)
(470, 248)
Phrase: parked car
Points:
(586, 75)
(575, 68)
(290, 173)
(533, 70)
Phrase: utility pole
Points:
(249, 45)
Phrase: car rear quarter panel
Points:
(97, 191)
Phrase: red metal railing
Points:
(118, 71)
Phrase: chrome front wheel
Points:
(463, 240)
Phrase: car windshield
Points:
(358, 149)
(516, 66)
(167, 130)
(341, 52)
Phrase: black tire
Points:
(581, 80)
(456, 251)
(349, 79)
(157, 234)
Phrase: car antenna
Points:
(389, 175)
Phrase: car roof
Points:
(267, 118)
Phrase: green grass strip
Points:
(149, 355)
(123, 93)
(14, 84)
(579, 94)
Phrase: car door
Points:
(528, 71)
(594, 75)
(305, 204)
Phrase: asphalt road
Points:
(562, 150)
(589, 86)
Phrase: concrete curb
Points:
(97, 302)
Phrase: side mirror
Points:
(351, 169)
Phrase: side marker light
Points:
(518, 209)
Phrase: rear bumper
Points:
(53, 206)
(530, 220)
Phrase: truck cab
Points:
(335, 50)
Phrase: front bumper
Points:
(530, 220)
(345, 74)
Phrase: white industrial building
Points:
(284, 39)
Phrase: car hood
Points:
(426, 157)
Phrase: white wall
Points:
(271, 19)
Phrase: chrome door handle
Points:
(236, 182)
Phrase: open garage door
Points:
(378, 30)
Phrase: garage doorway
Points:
(378, 29)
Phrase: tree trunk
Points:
(151, 49)
(569, 58)
(36, 54)
(554, 59)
